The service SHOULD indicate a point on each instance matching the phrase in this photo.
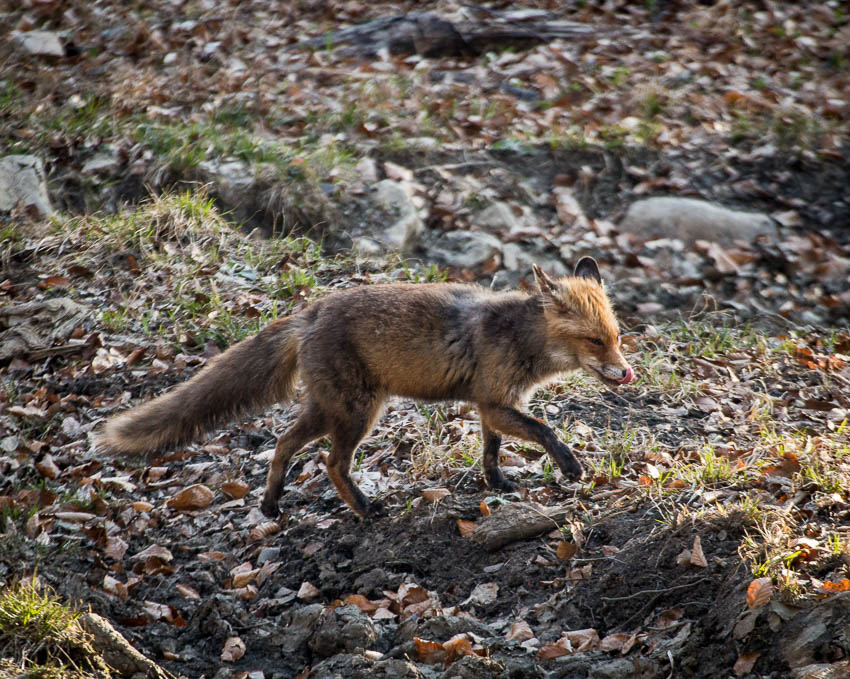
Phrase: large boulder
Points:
(23, 184)
(691, 220)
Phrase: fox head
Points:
(582, 330)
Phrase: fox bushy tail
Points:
(249, 376)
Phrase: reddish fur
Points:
(353, 349)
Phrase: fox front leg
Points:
(511, 422)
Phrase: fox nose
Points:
(628, 376)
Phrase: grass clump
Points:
(41, 637)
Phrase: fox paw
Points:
(568, 464)
(375, 510)
(497, 481)
(270, 508)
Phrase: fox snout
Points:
(615, 373)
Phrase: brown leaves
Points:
(432, 652)
(466, 528)
(434, 495)
(264, 530)
(233, 649)
(191, 498)
(576, 641)
(759, 592)
(693, 556)
(307, 591)
(842, 585)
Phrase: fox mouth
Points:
(612, 382)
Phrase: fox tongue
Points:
(628, 378)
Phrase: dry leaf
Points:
(193, 497)
(484, 508)
(458, 645)
(307, 591)
(842, 585)
(115, 548)
(697, 556)
(116, 587)
(583, 639)
(187, 591)
(47, 467)
(233, 650)
(430, 652)
(759, 592)
(566, 550)
(683, 558)
(263, 530)
(383, 614)
(434, 495)
(744, 664)
(615, 642)
(520, 631)
(235, 489)
(556, 650)
(362, 603)
(154, 550)
(211, 556)
(466, 528)
(243, 574)
(609, 550)
(485, 593)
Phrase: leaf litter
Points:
(733, 446)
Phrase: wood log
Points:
(518, 521)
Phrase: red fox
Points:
(355, 348)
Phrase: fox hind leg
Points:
(310, 425)
(346, 433)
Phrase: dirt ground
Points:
(710, 537)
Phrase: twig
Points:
(654, 591)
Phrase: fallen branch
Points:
(518, 521)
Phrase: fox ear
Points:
(587, 268)
(545, 284)
(547, 287)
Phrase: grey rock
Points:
(22, 181)
(516, 257)
(34, 326)
(506, 217)
(353, 666)
(268, 554)
(373, 581)
(442, 628)
(808, 632)
(41, 43)
(297, 627)
(404, 233)
(344, 629)
(691, 220)
(234, 180)
(474, 667)
(104, 162)
(466, 249)
(367, 170)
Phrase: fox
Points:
(355, 348)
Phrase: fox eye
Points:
(595, 341)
